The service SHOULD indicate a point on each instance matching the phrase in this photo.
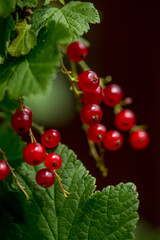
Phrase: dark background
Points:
(126, 45)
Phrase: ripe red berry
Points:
(51, 138)
(125, 120)
(21, 122)
(53, 161)
(113, 95)
(113, 140)
(88, 81)
(96, 96)
(77, 51)
(34, 154)
(4, 170)
(91, 114)
(139, 139)
(96, 132)
(27, 110)
(45, 178)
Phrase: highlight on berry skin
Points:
(77, 51)
(113, 95)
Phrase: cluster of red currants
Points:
(35, 153)
(111, 95)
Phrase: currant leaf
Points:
(85, 214)
(34, 72)
(6, 25)
(76, 16)
(24, 42)
(6, 7)
(29, 3)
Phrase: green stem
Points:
(84, 66)
(17, 17)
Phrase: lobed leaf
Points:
(108, 215)
(6, 7)
(34, 72)
(28, 3)
(76, 16)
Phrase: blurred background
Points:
(126, 45)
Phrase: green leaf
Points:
(8, 104)
(24, 42)
(85, 214)
(76, 16)
(33, 73)
(47, 2)
(6, 25)
(6, 6)
(29, 3)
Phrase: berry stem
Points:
(84, 66)
(59, 181)
(20, 104)
(33, 139)
(13, 173)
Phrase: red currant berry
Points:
(53, 161)
(113, 95)
(139, 139)
(125, 120)
(88, 81)
(34, 154)
(77, 51)
(113, 140)
(91, 114)
(95, 97)
(45, 178)
(21, 122)
(27, 110)
(4, 170)
(51, 138)
(96, 132)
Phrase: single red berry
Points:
(27, 110)
(77, 51)
(94, 97)
(50, 138)
(139, 139)
(125, 120)
(88, 81)
(45, 178)
(113, 95)
(53, 161)
(113, 140)
(91, 114)
(96, 132)
(4, 170)
(34, 154)
(21, 122)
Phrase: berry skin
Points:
(96, 132)
(34, 154)
(113, 95)
(77, 51)
(113, 140)
(91, 114)
(53, 161)
(50, 138)
(27, 110)
(21, 122)
(96, 96)
(4, 170)
(45, 178)
(139, 139)
(125, 120)
(88, 81)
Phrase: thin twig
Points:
(59, 181)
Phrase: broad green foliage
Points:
(6, 25)
(29, 3)
(8, 104)
(108, 215)
(7, 6)
(33, 73)
(76, 16)
(24, 42)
